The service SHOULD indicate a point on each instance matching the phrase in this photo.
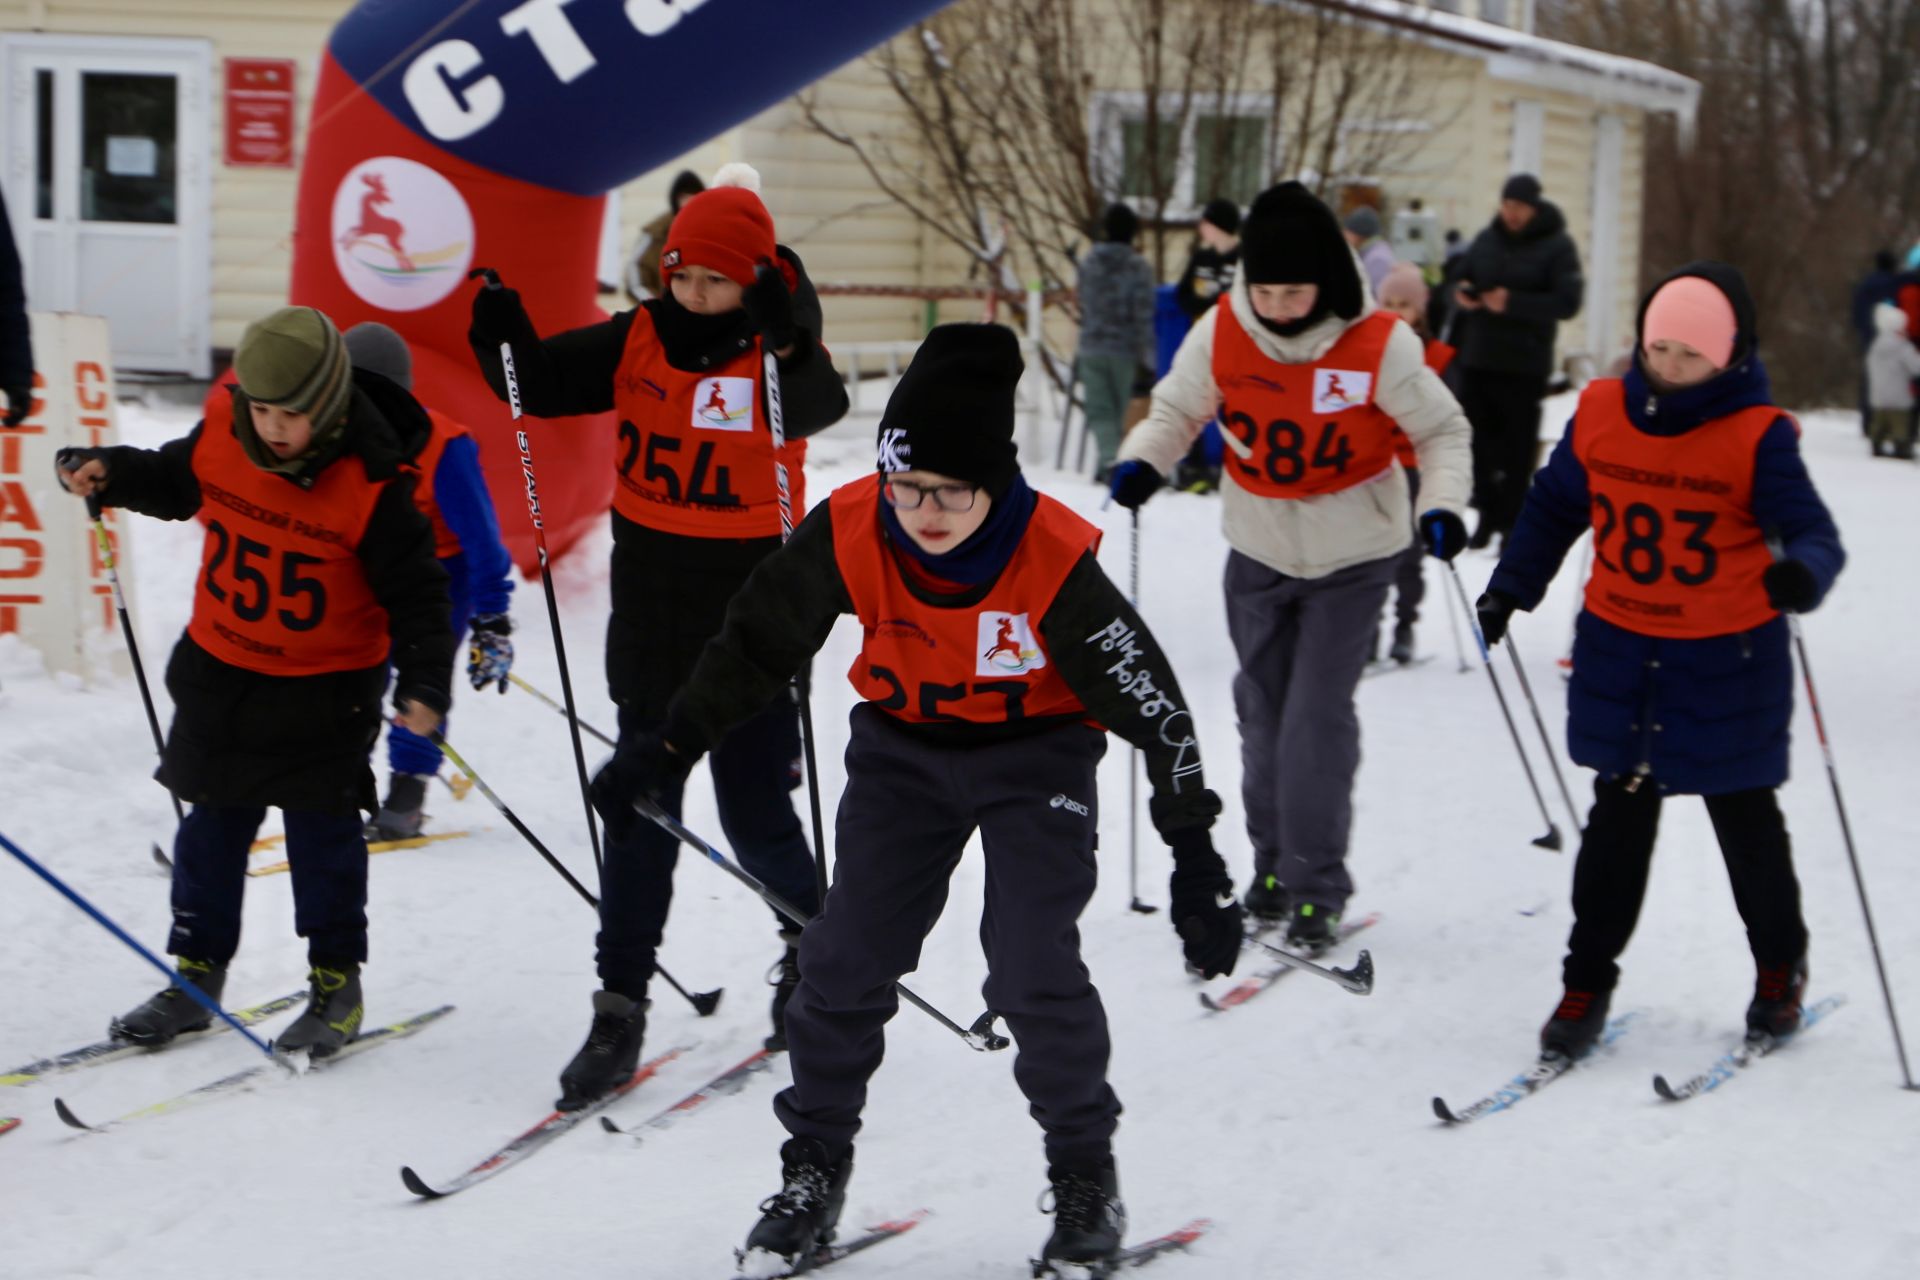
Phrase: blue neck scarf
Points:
(1677, 412)
(985, 552)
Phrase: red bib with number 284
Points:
(1302, 430)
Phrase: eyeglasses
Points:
(907, 496)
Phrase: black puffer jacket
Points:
(669, 591)
(1540, 270)
(303, 742)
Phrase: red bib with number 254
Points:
(1307, 429)
(1677, 551)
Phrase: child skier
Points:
(452, 494)
(695, 508)
(1682, 675)
(1892, 366)
(1404, 292)
(1317, 520)
(993, 645)
(316, 567)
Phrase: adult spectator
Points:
(1115, 286)
(1367, 235)
(643, 265)
(1877, 286)
(16, 339)
(1521, 279)
(1213, 259)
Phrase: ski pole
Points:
(803, 682)
(1453, 627)
(980, 1035)
(1546, 739)
(1358, 980)
(1551, 840)
(1846, 828)
(105, 542)
(703, 1002)
(515, 678)
(1133, 757)
(546, 582)
(180, 980)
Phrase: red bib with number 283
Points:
(1306, 429)
(1677, 551)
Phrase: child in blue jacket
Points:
(1707, 528)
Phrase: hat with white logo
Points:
(952, 411)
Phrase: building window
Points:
(1207, 151)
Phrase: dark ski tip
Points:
(416, 1185)
(1665, 1090)
(66, 1115)
(1443, 1111)
(1551, 840)
(160, 858)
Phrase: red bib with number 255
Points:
(1306, 429)
(1677, 551)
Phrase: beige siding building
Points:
(112, 158)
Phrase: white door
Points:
(107, 149)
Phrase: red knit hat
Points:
(725, 228)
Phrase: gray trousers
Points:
(1302, 644)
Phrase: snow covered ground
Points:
(1300, 1123)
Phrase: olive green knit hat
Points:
(295, 360)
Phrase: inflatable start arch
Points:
(449, 134)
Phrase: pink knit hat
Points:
(1690, 310)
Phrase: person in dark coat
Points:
(695, 510)
(1521, 278)
(1877, 286)
(16, 337)
(1707, 530)
(317, 564)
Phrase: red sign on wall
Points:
(260, 112)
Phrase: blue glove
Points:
(490, 650)
(1442, 534)
(1132, 482)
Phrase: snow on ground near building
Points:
(1300, 1123)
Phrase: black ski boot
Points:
(785, 977)
(795, 1223)
(333, 1015)
(1401, 650)
(1266, 900)
(1088, 1223)
(1777, 991)
(404, 812)
(1312, 930)
(172, 1011)
(611, 1053)
(1576, 1023)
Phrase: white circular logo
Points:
(402, 234)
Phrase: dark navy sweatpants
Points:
(328, 861)
(754, 768)
(907, 813)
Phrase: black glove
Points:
(643, 766)
(1143, 380)
(19, 400)
(1791, 587)
(497, 313)
(1442, 534)
(1134, 481)
(1204, 911)
(1493, 609)
(769, 306)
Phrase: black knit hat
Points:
(952, 410)
(1523, 187)
(1291, 237)
(1222, 213)
(1119, 224)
